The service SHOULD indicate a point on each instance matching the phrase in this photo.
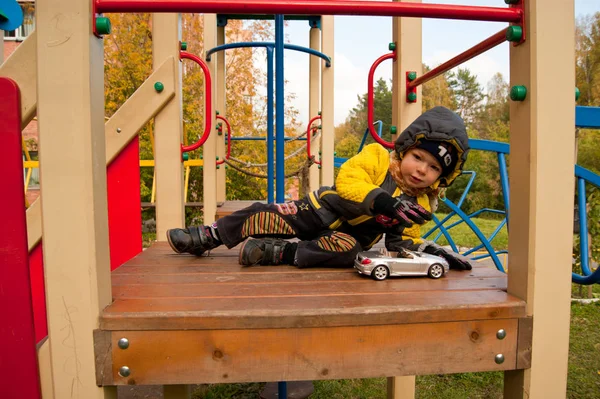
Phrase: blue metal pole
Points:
(279, 115)
(282, 390)
(504, 182)
(583, 228)
(270, 160)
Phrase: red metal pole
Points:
(228, 138)
(19, 376)
(207, 101)
(316, 7)
(370, 95)
(463, 57)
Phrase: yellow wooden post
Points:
(220, 101)
(327, 101)
(168, 131)
(541, 184)
(210, 146)
(314, 93)
(407, 35)
(73, 176)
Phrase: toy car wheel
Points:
(380, 273)
(435, 271)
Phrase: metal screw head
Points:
(499, 358)
(118, 130)
(123, 343)
(501, 334)
(124, 371)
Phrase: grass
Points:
(465, 237)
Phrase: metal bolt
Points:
(118, 130)
(123, 343)
(501, 334)
(499, 358)
(124, 371)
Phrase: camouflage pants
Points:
(318, 246)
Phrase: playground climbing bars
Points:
(370, 100)
(207, 101)
(316, 7)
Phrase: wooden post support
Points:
(168, 131)
(327, 101)
(209, 150)
(314, 90)
(73, 176)
(407, 35)
(541, 181)
(221, 103)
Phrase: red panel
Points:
(124, 212)
(18, 358)
(38, 292)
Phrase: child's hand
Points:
(405, 211)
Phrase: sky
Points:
(359, 41)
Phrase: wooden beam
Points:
(327, 101)
(224, 356)
(74, 211)
(45, 367)
(21, 67)
(168, 131)
(314, 104)
(144, 104)
(541, 184)
(407, 34)
(209, 150)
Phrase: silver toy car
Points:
(408, 263)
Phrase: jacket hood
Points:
(439, 124)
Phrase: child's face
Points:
(419, 168)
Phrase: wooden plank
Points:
(222, 356)
(307, 311)
(103, 356)
(524, 343)
(263, 274)
(359, 286)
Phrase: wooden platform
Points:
(209, 320)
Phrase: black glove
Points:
(455, 260)
(405, 211)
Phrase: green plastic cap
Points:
(412, 75)
(514, 33)
(103, 26)
(392, 46)
(577, 93)
(159, 87)
(217, 112)
(183, 46)
(393, 130)
(518, 93)
(218, 166)
(185, 156)
(412, 97)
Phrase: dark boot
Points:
(193, 240)
(264, 251)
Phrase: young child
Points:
(376, 193)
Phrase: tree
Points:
(437, 92)
(587, 56)
(467, 92)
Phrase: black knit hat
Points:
(445, 153)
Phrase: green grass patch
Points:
(464, 236)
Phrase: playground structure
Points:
(133, 332)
